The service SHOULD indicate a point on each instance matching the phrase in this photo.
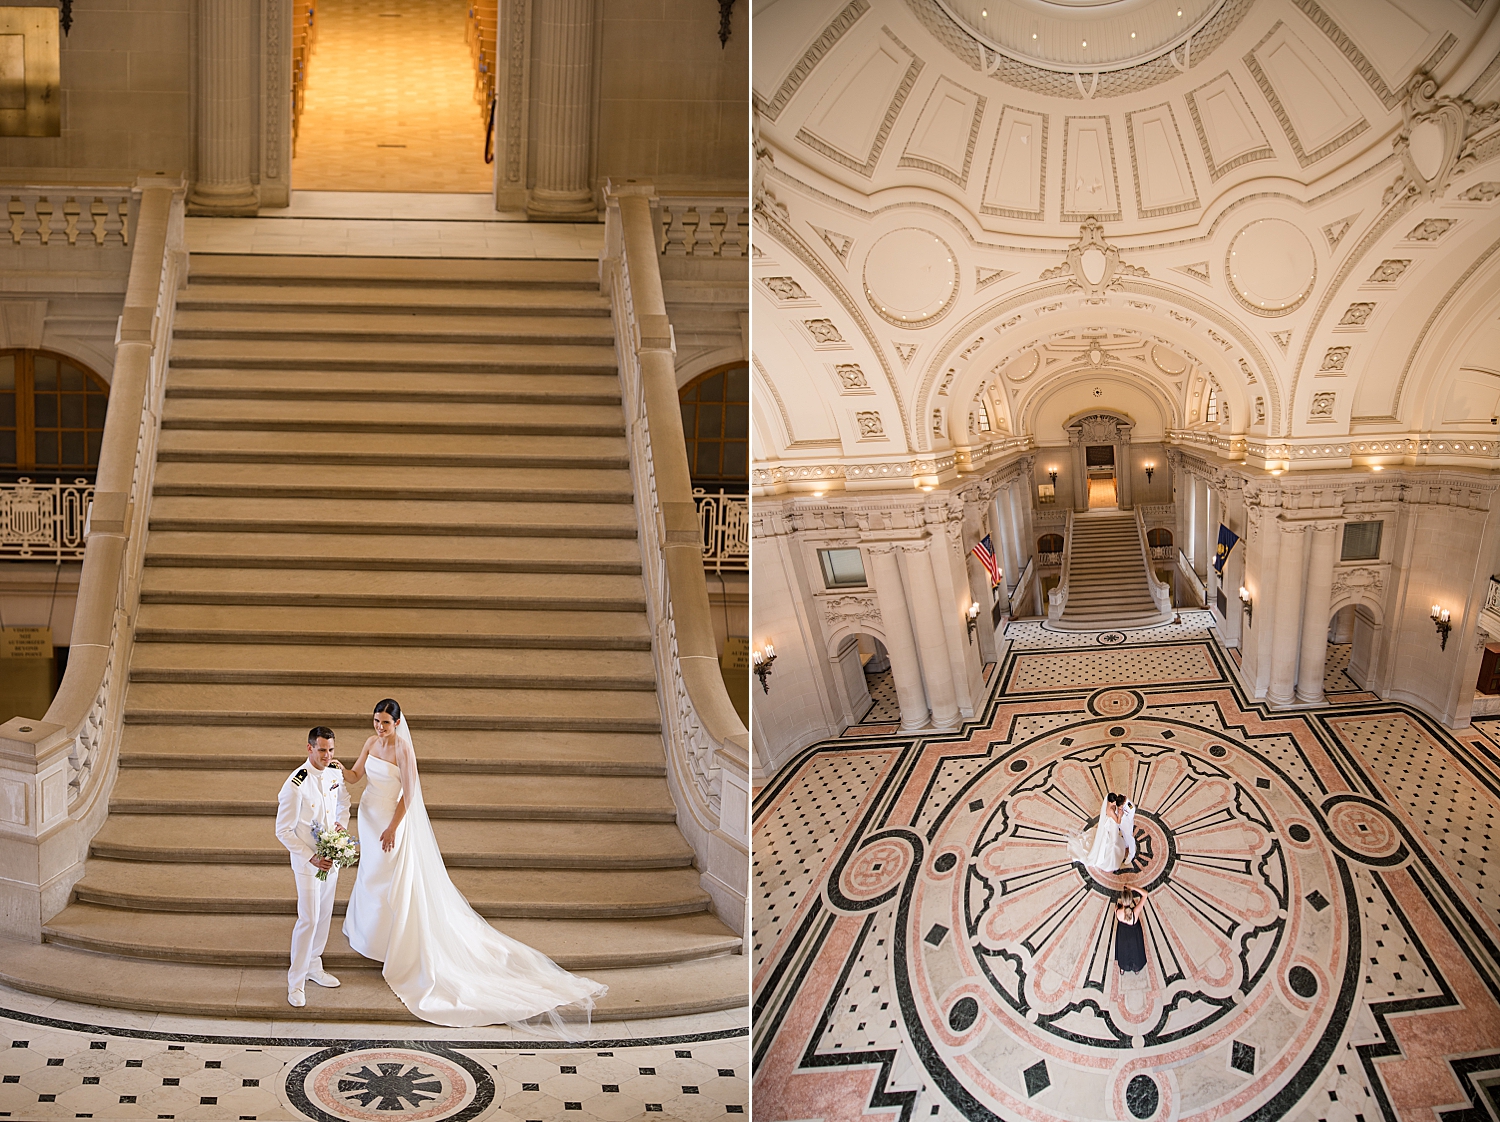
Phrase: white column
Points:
(1080, 474)
(1287, 618)
(900, 644)
(1123, 492)
(1315, 614)
(1002, 534)
(1020, 546)
(565, 74)
(227, 49)
(1211, 545)
(932, 639)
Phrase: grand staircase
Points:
(1106, 576)
(407, 478)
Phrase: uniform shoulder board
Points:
(299, 777)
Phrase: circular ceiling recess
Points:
(911, 277)
(1082, 35)
(1271, 267)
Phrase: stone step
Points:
(415, 419)
(390, 386)
(376, 666)
(343, 354)
(354, 588)
(367, 448)
(526, 516)
(259, 993)
(211, 839)
(396, 627)
(376, 483)
(493, 893)
(350, 551)
(428, 327)
(552, 710)
(241, 940)
(343, 296)
(585, 798)
(269, 746)
(373, 272)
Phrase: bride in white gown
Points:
(1109, 850)
(442, 959)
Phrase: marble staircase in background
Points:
(390, 477)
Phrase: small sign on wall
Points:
(27, 672)
(1046, 493)
(26, 642)
(30, 69)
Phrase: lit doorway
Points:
(392, 95)
(1100, 461)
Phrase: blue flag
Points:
(1227, 538)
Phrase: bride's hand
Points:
(388, 839)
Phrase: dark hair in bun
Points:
(388, 705)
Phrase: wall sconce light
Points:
(1249, 605)
(1443, 620)
(1052, 475)
(761, 661)
(972, 617)
(1150, 468)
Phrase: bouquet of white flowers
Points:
(335, 844)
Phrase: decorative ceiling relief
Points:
(946, 132)
(1486, 192)
(911, 277)
(852, 123)
(1335, 231)
(785, 289)
(1163, 180)
(815, 54)
(1309, 102)
(852, 379)
(983, 277)
(1090, 183)
(1436, 143)
(1016, 182)
(1228, 132)
(1322, 407)
(1389, 271)
(905, 351)
(1092, 265)
(1198, 270)
(825, 334)
(838, 243)
(1356, 315)
(870, 426)
(1283, 339)
(1334, 360)
(1271, 267)
(1431, 229)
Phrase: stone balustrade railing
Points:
(700, 227)
(56, 772)
(53, 215)
(1057, 598)
(1161, 592)
(44, 521)
(707, 745)
(1164, 513)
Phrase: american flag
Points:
(986, 554)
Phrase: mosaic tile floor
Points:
(1322, 924)
(57, 1061)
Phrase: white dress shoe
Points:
(296, 998)
(325, 979)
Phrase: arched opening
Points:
(51, 417)
(1352, 634)
(1050, 549)
(865, 670)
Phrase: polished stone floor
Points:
(61, 1060)
(1321, 920)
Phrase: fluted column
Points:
(1006, 538)
(1286, 624)
(900, 644)
(565, 75)
(227, 48)
(1123, 490)
(932, 641)
(1315, 613)
(1080, 474)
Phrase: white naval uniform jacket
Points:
(310, 796)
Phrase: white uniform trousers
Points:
(310, 936)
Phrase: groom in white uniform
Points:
(318, 794)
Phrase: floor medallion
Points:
(407, 1083)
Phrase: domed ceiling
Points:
(963, 213)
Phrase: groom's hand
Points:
(324, 863)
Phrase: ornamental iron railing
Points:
(724, 522)
(44, 521)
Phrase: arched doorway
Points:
(51, 417)
(1353, 632)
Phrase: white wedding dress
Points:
(1108, 851)
(442, 959)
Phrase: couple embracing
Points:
(442, 959)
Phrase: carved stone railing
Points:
(1161, 593)
(43, 521)
(1057, 599)
(1159, 512)
(1195, 582)
(707, 745)
(53, 215)
(724, 526)
(700, 227)
(56, 772)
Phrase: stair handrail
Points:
(1057, 599)
(58, 771)
(707, 745)
(1160, 593)
(1195, 582)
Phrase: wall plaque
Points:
(30, 101)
